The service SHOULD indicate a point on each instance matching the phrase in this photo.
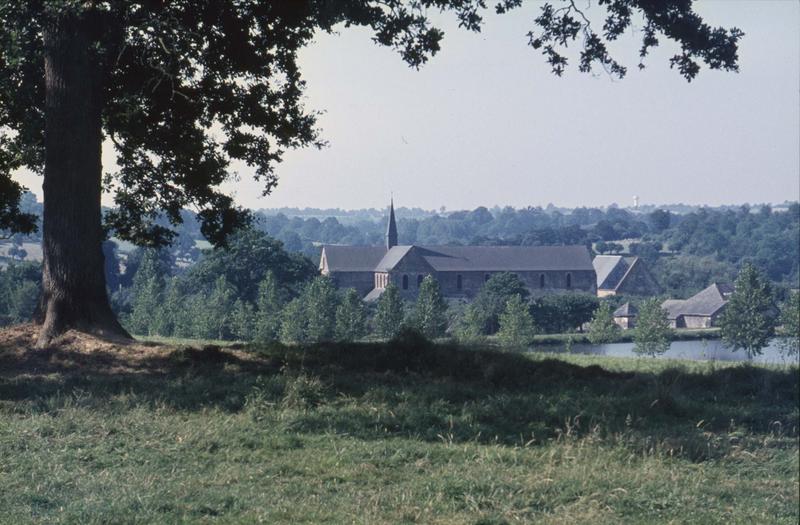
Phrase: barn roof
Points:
(705, 303)
(626, 310)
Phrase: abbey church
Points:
(459, 270)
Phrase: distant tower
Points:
(636, 202)
(391, 230)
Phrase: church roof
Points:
(507, 258)
(461, 258)
(611, 270)
(353, 258)
(393, 256)
(391, 228)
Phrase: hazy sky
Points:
(486, 123)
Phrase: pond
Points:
(704, 349)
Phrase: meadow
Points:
(399, 432)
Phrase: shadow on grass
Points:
(433, 392)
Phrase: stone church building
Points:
(459, 270)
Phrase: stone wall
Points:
(696, 321)
(626, 323)
(363, 282)
(472, 282)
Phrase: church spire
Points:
(391, 230)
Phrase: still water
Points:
(710, 349)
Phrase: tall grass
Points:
(404, 432)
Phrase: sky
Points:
(485, 123)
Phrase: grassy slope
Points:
(394, 433)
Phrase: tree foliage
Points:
(603, 329)
(217, 312)
(242, 321)
(562, 313)
(293, 322)
(389, 313)
(652, 334)
(245, 262)
(20, 286)
(148, 288)
(430, 311)
(470, 325)
(790, 325)
(491, 301)
(748, 321)
(351, 317)
(320, 301)
(269, 304)
(516, 324)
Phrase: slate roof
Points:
(611, 270)
(673, 307)
(461, 258)
(353, 258)
(706, 303)
(391, 258)
(626, 310)
(507, 258)
(375, 294)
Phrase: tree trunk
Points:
(74, 290)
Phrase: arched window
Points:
(459, 283)
(541, 281)
(486, 277)
(569, 280)
(405, 282)
(419, 280)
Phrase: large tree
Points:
(183, 88)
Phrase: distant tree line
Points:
(685, 251)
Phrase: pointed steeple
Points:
(391, 229)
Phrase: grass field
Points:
(405, 432)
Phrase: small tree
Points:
(652, 333)
(320, 303)
(491, 300)
(603, 329)
(561, 313)
(219, 308)
(350, 317)
(268, 309)
(293, 322)
(470, 326)
(790, 325)
(748, 321)
(171, 316)
(148, 287)
(389, 313)
(22, 301)
(242, 323)
(17, 251)
(516, 324)
(430, 310)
